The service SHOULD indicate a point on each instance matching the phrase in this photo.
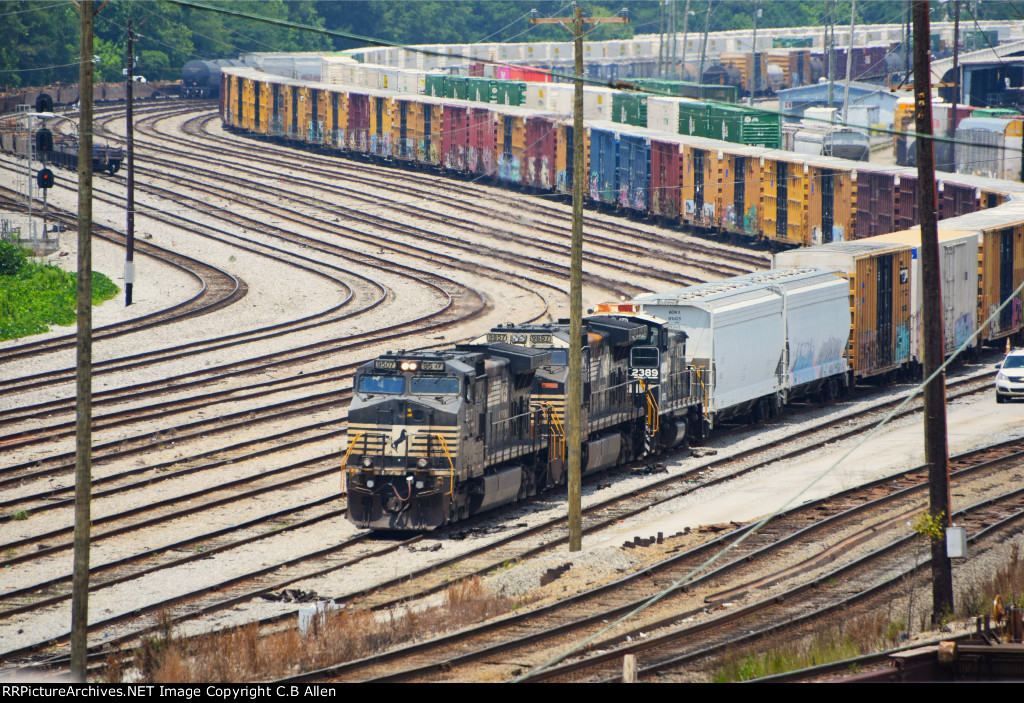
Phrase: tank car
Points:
(201, 79)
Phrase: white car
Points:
(1010, 379)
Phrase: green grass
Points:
(39, 295)
(759, 664)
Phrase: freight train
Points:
(839, 210)
(706, 166)
(14, 140)
(437, 436)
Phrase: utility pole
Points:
(956, 52)
(936, 449)
(753, 48)
(83, 376)
(674, 43)
(661, 42)
(849, 61)
(574, 401)
(129, 260)
(831, 53)
(686, 26)
(704, 48)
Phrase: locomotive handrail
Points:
(451, 464)
(604, 400)
(653, 418)
(351, 446)
(558, 433)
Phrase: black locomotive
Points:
(435, 437)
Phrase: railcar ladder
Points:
(653, 418)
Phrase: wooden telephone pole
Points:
(83, 404)
(574, 401)
(936, 449)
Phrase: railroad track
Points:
(408, 587)
(864, 517)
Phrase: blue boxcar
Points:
(634, 172)
(604, 166)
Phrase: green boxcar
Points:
(510, 92)
(456, 87)
(434, 85)
(629, 108)
(693, 118)
(478, 90)
(761, 129)
(683, 89)
(725, 123)
(730, 123)
(792, 42)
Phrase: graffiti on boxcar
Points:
(867, 349)
(456, 158)
(380, 144)
(1016, 311)
(472, 159)
(804, 358)
(729, 215)
(831, 349)
(707, 214)
(640, 199)
(750, 220)
(543, 177)
(901, 352)
(963, 328)
(509, 168)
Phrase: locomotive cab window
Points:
(434, 385)
(644, 358)
(389, 385)
(559, 357)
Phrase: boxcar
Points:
(958, 271)
(879, 279)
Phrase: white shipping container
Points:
(538, 51)
(597, 103)
(563, 51)
(511, 52)
(561, 97)
(389, 79)
(663, 114)
(537, 95)
(411, 81)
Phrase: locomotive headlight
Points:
(420, 484)
(369, 483)
(408, 366)
(421, 463)
(367, 462)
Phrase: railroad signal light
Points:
(44, 141)
(44, 103)
(44, 179)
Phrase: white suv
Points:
(1010, 379)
